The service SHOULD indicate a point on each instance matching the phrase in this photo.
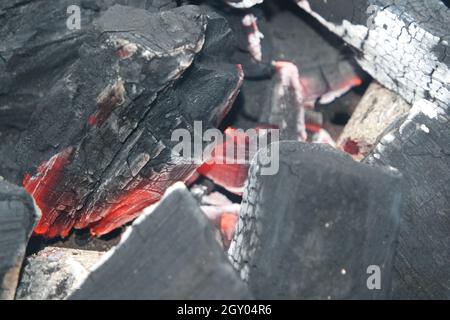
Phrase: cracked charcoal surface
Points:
(44, 38)
(413, 59)
(321, 214)
(18, 216)
(34, 55)
(170, 253)
(419, 148)
(101, 122)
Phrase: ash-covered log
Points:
(170, 252)
(99, 147)
(377, 110)
(323, 227)
(55, 273)
(18, 217)
(419, 148)
(402, 44)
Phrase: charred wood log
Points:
(102, 137)
(377, 110)
(316, 228)
(170, 252)
(419, 148)
(403, 44)
(18, 216)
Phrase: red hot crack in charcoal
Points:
(98, 148)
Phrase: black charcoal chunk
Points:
(18, 216)
(319, 228)
(419, 147)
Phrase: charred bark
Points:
(403, 44)
(313, 229)
(170, 252)
(419, 148)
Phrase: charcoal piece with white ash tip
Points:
(402, 44)
(319, 228)
(419, 147)
(170, 252)
(103, 135)
(18, 217)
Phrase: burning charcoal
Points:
(251, 47)
(222, 213)
(419, 148)
(18, 216)
(288, 103)
(102, 139)
(54, 273)
(317, 227)
(170, 252)
(229, 170)
(323, 70)
(403, 44)
(326, 70)
(377, 110)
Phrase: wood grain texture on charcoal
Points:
(313, 229)
(170, 252)
(36, 43)
(103, 134)
(404, 44)
(18, 216)
(419, 148)
(377, 110)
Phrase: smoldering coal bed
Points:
(349, 97)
